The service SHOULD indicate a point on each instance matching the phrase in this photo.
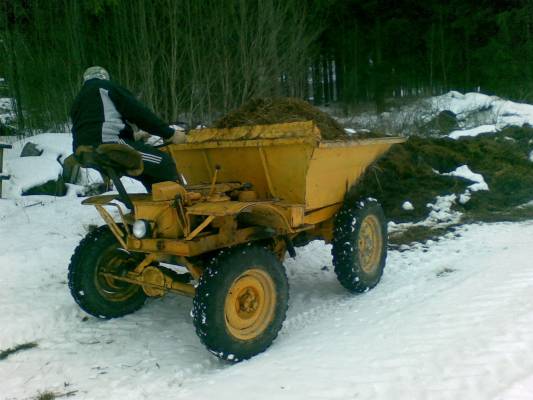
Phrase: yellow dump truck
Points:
(248, 196)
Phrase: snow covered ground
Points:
(476, 113)
(27, 172)
(451, 319)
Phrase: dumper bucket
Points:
(288, 162)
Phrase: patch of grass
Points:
(46, 396)
(49, 395)
(419, 234)
(511, 215)
(445, 271)
(12, 350)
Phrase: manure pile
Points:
(408, 173)
(276, 110)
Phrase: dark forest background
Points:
(191, 59)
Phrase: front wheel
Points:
(96, 292)
(241, 303)
(359, 245)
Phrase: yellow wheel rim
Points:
(250, 304)
(114, 261)
(370, 243)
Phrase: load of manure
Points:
(277, 110)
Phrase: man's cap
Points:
(95, 72)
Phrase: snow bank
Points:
(27, 172)
(464, 172)
(476, 113)
(6, 110)
(54, 145)
(441, 213)
(491, 112)
(479, 182)
(474, 131)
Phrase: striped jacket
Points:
(101, 113)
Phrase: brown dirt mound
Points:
(276, 110)
(407, 172)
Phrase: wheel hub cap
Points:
(250, 304)
(370, 243)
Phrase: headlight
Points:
(141, 228)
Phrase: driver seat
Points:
(113, 160)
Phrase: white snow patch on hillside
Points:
(7, 113)
(27, 172)
(479, 182)
(441, 211)
(465, 172)
(473, 132)
(474, 109)
(6, 103)
(54, 145)
(463, 104)
(441, 215)
(476, 113)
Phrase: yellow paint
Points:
(218, 209)
(153, 283)
(250, 304)
(336, 166)
(306, 129)
(200, 227)
(163, 214)
(370, 244)
(323, 214)
(287, 162)
(297, 183)
(198, 245)
(297, 170)
(109, 198)
(146, 262)
(117, 232)
(167, 191)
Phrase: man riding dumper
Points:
(102, 117)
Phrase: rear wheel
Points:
(359, 245)
(98, 254)
(241, 303)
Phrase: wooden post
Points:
(3, 177)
